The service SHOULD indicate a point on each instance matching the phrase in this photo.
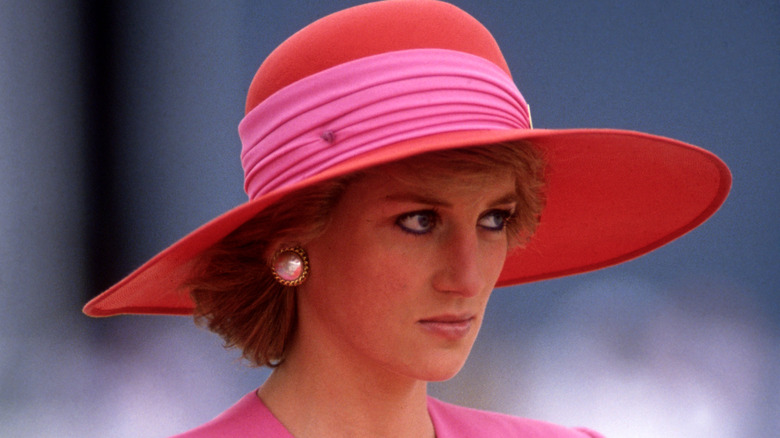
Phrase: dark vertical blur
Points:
(98, 33)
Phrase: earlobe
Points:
(290, 266)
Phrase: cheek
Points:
(378, 284)
(492, 262)
(354, 282)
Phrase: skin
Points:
(399, 283)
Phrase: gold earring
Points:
(290, 266)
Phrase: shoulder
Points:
(248, 418)
(456, 421)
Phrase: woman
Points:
(394, 181)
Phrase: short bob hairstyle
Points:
(237, 297)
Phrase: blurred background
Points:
(118, 136)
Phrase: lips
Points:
(452, 327)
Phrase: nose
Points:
(460, 265)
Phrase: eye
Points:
(495, 220)
(417, 222)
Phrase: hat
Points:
(388, 80)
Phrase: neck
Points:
(314, 393)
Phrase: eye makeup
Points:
(418, 222)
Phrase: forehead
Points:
(437, 181)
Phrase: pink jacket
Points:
(250, 418)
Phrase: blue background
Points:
(118, 136)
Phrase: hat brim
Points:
(612, 195)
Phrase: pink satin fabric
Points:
(363, 105)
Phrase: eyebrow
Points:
(432, 200)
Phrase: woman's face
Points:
(402, 274)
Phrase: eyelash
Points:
(432, 215)
(506, 216)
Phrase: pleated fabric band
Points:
(366, 104)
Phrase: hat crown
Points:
(371, 29)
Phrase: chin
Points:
(441, 375)
(442, 378)
(439, 369)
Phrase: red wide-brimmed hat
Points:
(388, 80)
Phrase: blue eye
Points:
(495, 220)
(417, 222)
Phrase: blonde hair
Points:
(237, 297)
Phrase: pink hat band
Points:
(366, 104)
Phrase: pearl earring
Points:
(290, 266)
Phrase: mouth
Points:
(452, 327)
